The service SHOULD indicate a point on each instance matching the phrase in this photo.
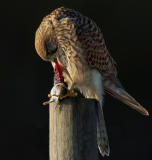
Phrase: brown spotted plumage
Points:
(78, 44)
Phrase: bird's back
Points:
(73, 30)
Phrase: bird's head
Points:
(45, 41)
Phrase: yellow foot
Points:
(70, 93)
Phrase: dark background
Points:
(26, 79)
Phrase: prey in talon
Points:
(59, 90)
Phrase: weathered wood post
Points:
(73, 130)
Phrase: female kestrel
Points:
(79, 47)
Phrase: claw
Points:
(58, 93)
(70, 93)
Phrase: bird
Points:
(77, 44)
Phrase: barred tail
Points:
(102, 137)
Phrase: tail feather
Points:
(102, 137)
(113, 87)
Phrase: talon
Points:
(70, 93)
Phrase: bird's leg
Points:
(61, 95)
(70, 93)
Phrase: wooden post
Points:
(73, 130)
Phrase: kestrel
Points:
(76, 43)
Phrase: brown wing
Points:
(93, 43)
(74, 28)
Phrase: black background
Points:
(26, 79)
